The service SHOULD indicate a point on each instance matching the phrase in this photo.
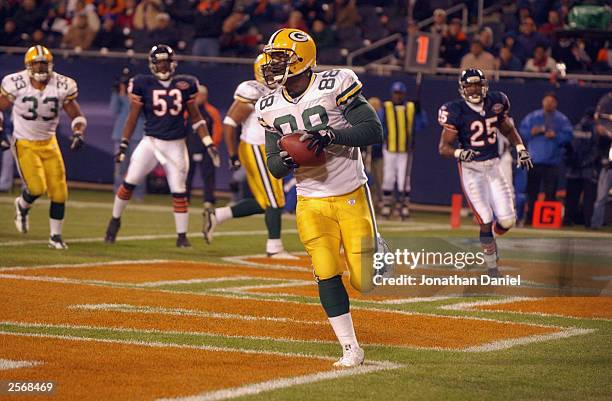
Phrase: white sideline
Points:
(7, 364)
(509, 343)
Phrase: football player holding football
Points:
(250, 153)
(37, 94)
(474, 121)
(163, 97)
(334, 207)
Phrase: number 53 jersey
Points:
(36, 112)
(322, 105)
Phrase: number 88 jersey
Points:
(36, 113)
(321, 105)
(164, 103)
(477, 125)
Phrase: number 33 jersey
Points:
(477, 126)
(321, 105)
(36, 112)
(164, 103)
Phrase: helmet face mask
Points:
(39, 63)
(473, 86)
(258, 70)
(289, 53)
(277, 69)
(161, 62)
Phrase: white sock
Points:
(181, 220)
(223, 213)
(274, 245)
(343, 327)
(56, 226)
(23, 203)
(118, 207)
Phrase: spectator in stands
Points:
(312, 10)
(554, 22)
(240, 36)
(541, 61)
(603, 128)
(322, 35)
(126, 18)
(10, 36)
(582, 165)
(485, 36)
(145, 16)
(56, 22)
(6, 158)
(79, 35)
(163, 32)
(603, 62)
(545, 132)
(508, 61)
(347, 14)
(478, 58)
(109, 36)
(38, 38)
(83, 7)
(439, 22)
(296, 21)
(528, 39)
(454, 44)
(110, 8)
(28, 17)
(208, 23)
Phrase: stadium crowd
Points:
(521, 35)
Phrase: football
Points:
(299, 150)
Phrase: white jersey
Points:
(321, 105)
(249, 92)
(36, 112)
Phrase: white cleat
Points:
(282, 255)
(22, 220)
(56, 242)
(210, 222)
(352, 357)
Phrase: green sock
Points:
(273, 222)
(246, 207)
(334, 297)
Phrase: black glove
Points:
(523, 159)
(467, 155)
(288, 160)
(214, 155)
(120, 155)
(77, 141)
(235, 163)
(5, 144)
(319, 140)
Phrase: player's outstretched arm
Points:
(237, 114)
(278, 164)
(199, 126)
(79, 123)
(507, 129)
(365, 129)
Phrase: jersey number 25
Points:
(477, 128)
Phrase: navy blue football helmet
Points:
(162, 62)
(473, 85)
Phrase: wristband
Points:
(197, 125)
(520, 147)
(79, 120)
(207, 141)
(230, 121)
(458, 153)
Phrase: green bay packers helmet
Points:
(289, 52)
(38, 62)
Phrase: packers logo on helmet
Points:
(38, 61)
(289, 52)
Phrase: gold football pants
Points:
(348, 220)
(267, 190)
(41, 167)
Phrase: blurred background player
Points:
(401, 119)
(474, 121)
(120, 107)
(162, 97)
(603, 128)
(269, 197)
(334, 207)
(36, 95)
(198, 156)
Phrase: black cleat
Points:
(182, 241)
(56, 242)
(111, 231)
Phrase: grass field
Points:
(143, 320)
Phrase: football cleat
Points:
(282, 255)
(351, 357)
(209, 224)
(112, 230)
(404, 212)
(385, 211)
(182, 241)
(56, 242)
(22, 220)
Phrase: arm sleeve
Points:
(365, 126)
(348, 90)
(447, 117)
(5, 89)
(275, 164)
(506, 103)
(72, 90)
(247, 92)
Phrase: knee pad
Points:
(333, 296)
(507, 223)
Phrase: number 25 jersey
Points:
(321, 105)
(164, 103)
(36, 112)
(477, 126)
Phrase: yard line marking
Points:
(7, 364)
(89, 264)
(508, 343)
(469, 306)
(258, 388)
(188, 312)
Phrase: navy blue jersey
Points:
(477, 130)
(164, 107)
